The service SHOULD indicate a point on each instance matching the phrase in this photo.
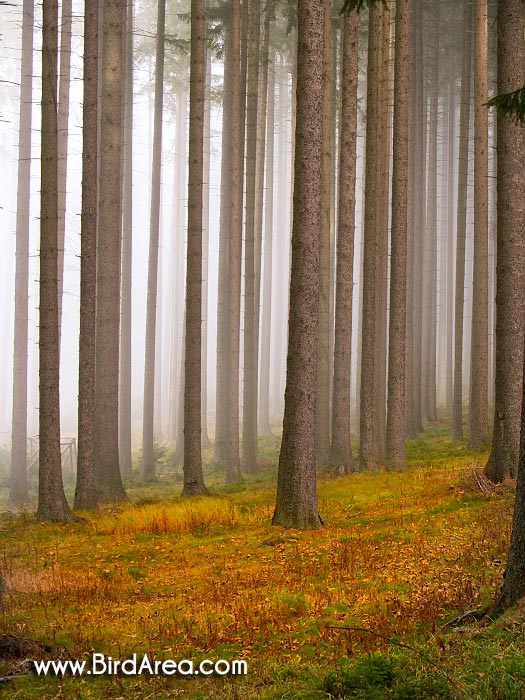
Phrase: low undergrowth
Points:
(401, 553)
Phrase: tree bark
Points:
(296, 504)
(205, 253)
(18, 482)
(52, 504)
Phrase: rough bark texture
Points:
(510, 251)
(457, 400)
(109, 482)
(52, 504)
(148, 457)
(341, 450)
(205, 254)
(296, 504)
(479, 345)
(395, 429)
(18, 482)
(233, 463)
(193, 478)
(86, 492)
(249, 438)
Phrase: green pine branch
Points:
(510, 104)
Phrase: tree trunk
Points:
(249, 438)
(450, 247)
(395, 430)
(457, 402)
(148, 452)
(510, 261)
(205, 253)
(127, 233)
(193, 477)
(479, 346)
(18, 483)
(341, 454)
(52, 504)
(109, 482)
(296, 504)
(86, 488)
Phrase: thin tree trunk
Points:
(86, 488)
(18, 482)
(341, 453)
(457, 402)
(109, 481)
(296, 504)
(52, 504)
(450, 248)
(148, 456)
(395, 431)
(205, 253)
(479, 346)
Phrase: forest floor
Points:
(400, 555)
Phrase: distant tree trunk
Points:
(324, 324)
(296, 504)
(205, 253)
(367, 433)
(193, 477)
(233, 464)
(479, 347)
(511, 201)
(148, 456)
(63, 132)
(18, 483)
(510, 270)
(341, 453)
(264, 384)
(450, 248)
(457, 403)
(127, 233)
(52, 504)
(223, 329)
(86, 488)
(249, 438)
(109, 481)
(395, 429)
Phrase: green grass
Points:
(401, 553)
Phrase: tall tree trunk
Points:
(109, 481)
(223, 330)
(127, 233)
(52, 504)
(86, 488)
(264, 384)
(296, 504)
(450, 247)
(193, 477)
(233, 463)
(205, 253)
(148, 456)
(510, 267)
(18, 483)
(323, 331)
(457, 402)
(341, 453)
(395, 431)
(249, 438)
(479, 347)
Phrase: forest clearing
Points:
(400, 554)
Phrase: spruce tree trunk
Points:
(193, 477)
(52, 504)
(86, 488)
(264, 384)
(148, 456)
(109, 481)
(450, 248)
(479, 346)
(18, 482)
(127, 233)
(341, 451)
(457, 400)
(249, 438)
(296, 504)
(510, 264)
(205, 253)
(395, 430)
